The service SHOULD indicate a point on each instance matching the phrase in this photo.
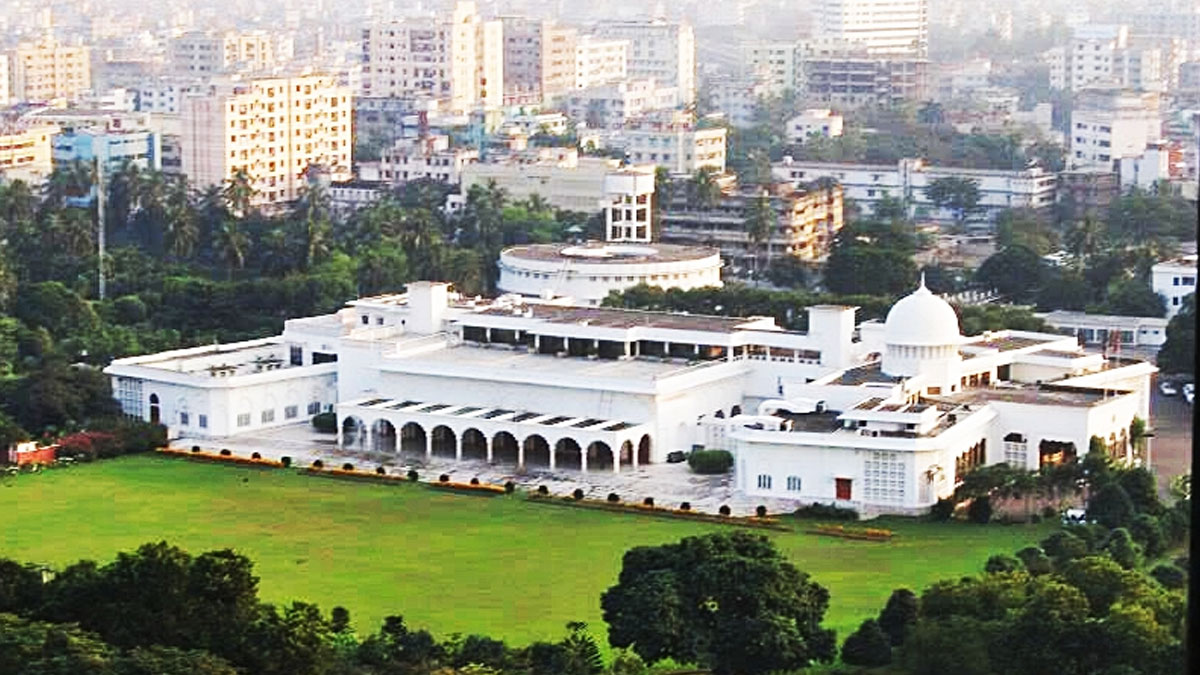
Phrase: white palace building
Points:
(883, 417)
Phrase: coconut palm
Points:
(231, 245)
(761, 220)
(181, 227)
(238, 192)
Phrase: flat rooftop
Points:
(869, 373)
(498, 359)
(1010, 343)
(603, 253)
(220, 360)
(623, 318)
(1033, 395)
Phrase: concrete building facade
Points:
(1174, 280)
(658, 50)
(1110, 123)
(26, 153)
(273, 129)
(47, 70)
(681, 149)
(883, 27)
(209, 53)
(599, 61)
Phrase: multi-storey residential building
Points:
(735, 97)
(806, 221)
(907, 181)
(5, 93)
(430, 158)
(456, 60)
(682, 148)
(1105, 55)
(658, 50)
(851, 79)
(1175, 22)
(1174, 280)
(813, 122)
(573, 183)
(776, 64)
(273, 129)
(26, 152)
(207, 53)
(1109, 123)
(1088, 191)
(610, 106)
(599, 61)
(165, 95)
(47, 70)
(884, 27)
(114, 147)
(539, 60)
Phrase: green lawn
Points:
(450, 562)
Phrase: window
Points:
(314, 407)
(291, 412)
(366, 320)
(268, 416)
(243, 420)
(183, 419)
(297, 354)
(793, 483)
(202, 420)
(764, 482)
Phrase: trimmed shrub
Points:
(1035, 560)
(899, 615)
(543, 490)
(980, 510)
(724, 510)
(256, 455)
(648, 501)
(347, 467)
(577, 494)
(510, 487)
(474, 481)
(613, 498)
(318, 464)
(195, 448)
(1049, 513)
(285, 461)
(413, 475)
(444, 478)
(942, 510)
(1002, 564)
(760, 511)
(225, 452)
(1169, 576)
(686, 506)
(826, 512)
(381, 471)
(325, 422)
(710, 462)
(868, 646)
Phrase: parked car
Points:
(1189, 392)
(1168, 388)
(1074, 517)
(676, 456)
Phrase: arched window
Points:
(155, 410)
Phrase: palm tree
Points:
(123, 187)
(238, 192)
(231, 245)
(181, 226)
(70, 231)
(313, 230)
(1084, 239)
(760, 221)
(537, 205)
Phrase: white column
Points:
(633, 456)
(521, 454)
(583, 459)
(616, 459)
(487, 445)
(428, 444)
(552, 457)
(458, 443)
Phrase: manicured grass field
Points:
(449, 562)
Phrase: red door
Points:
(842, 486)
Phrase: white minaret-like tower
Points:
(921, 338)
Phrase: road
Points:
(1172, 444)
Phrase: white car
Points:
(1168, 388)
(1189, 392)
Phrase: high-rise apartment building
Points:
(599, 61)
(851, 78)
(26, 152)
(5, 94)
(539, 60)
(1101, 54)
(658, 50)
(774, 64)
(1108, 124)
(273, 129)
(883, 27)
(47, 70)
(210, 53)
(456, 60)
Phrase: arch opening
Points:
(537, 451)
(354, 432)
(568, 455)
(643, 451)
(383, 436)
(599, 456)
(444, 442)
(474, 445)
(412, 439)
(504, 448)
(627, 453)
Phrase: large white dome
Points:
(922, 319)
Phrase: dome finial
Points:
(922, 286)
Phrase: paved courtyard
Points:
(669, 484)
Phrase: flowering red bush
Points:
(89, 444)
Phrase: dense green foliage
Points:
(680, 601)
(1178, 354)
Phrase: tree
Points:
(871, 259)
(1134, 297)
(960, 195)
(1003, 564)
(899, 615)
(231, 245)
(761, 220)
(238, 192)
(1015, 271)
(868, 646)
(727, 601)
(980, 510)
(1110, 506)
(1122, 550)
(1178, 353)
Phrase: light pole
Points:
(100, 243)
